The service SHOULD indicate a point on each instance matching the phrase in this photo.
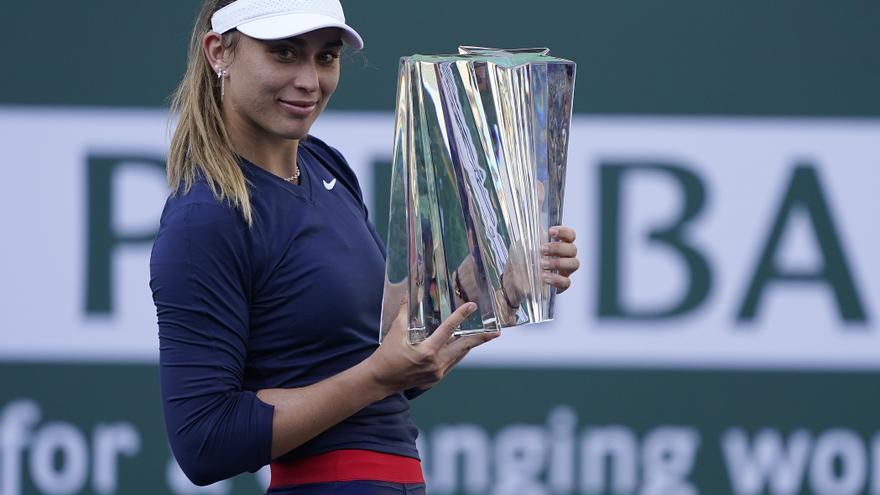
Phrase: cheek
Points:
(251, 84)
(269, 82)
(329, 82)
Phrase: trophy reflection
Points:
(478, 176)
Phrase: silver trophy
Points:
(478, 178)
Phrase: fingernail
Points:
(471, 307)
(554, 231)
(545, 263)
(546, 278)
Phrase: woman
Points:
(268, 286)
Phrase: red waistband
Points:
(347, 465)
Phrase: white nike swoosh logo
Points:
(329, 185)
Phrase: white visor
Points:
(279, 19)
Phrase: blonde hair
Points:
(200, 143)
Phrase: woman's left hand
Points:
(560, 256)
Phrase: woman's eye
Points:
(328, 57)
(285, 53)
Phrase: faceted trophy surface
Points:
(478, 177)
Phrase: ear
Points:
(212, 44)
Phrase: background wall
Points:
(722, 336)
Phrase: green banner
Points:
(788, 57)
(98, 429)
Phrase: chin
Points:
(292, 134)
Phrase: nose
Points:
(306, 78)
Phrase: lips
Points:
(299, 108)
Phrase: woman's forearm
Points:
(303, 413)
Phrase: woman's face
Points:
(276, 89)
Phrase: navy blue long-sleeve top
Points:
(289, 301)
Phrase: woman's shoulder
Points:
(198, 206)
(317, 145)
(326, 153)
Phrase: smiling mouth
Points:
(299, 108)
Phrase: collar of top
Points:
(279, 19)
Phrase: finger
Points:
(459, 353)
(442, 334)
(454, 363)
(401, 320)
(456, 350)
(402, 310)
(565, 266)
(562, 233)
(561, 282)
(560, 249)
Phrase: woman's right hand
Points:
(398, 365)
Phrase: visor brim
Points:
(288, 25)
